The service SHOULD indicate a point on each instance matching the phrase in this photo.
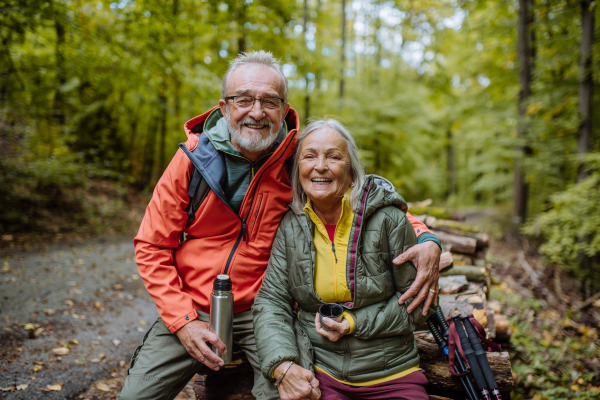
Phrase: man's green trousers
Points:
(161, 367)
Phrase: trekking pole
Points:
(482, 358)
(460, 368)
(470, 355)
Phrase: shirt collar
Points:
(308, 208)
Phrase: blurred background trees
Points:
(487, 103)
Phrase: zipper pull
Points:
(244, 229)
(333, 249)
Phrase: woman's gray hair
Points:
(358, 172)
(260, 57)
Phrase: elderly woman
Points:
(337, 246)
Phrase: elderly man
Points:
(215, 211)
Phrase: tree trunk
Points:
(450, 163)
(162, 103)
(343, 50)
(59, 112)
(149, 155)
(473, 273)
(585, 83)
(520, 186)
(242, 19)
(377, 66)
(460, 244)
(585, 125)
(307, 95)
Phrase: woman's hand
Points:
(338, 329)
(297, 384)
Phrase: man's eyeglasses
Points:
(267, 103)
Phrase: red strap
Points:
(453, 341)
(488, 345)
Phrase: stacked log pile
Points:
(464, 284)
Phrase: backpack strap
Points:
(197, 191)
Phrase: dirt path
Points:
(85, 298)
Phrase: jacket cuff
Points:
(348, 317)
(429, 237)
(181, 322)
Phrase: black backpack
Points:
(197, 192)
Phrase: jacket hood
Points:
(379, 192)
(196, 125)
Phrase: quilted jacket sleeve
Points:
(388, 318)
(158, 236)
(272, 311)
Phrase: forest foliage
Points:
(94, 93)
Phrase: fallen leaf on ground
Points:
(118, 286)
(7, 389)
(74, 341)
(103, 386)
(62, 351)
(80, 362)
(22, 387)
(142, 322)
(116, 342)
(100, 357)
(36, 368)
(57, 387)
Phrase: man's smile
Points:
(253, 124)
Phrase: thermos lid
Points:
(222, 283)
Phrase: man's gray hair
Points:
(260, 57)
(358, 171)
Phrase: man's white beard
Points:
(255, 142)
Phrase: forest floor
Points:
(554, 346)
(73, 311)
(71, 314)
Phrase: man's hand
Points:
(193, 337)
(426, 259)
(297, 384)
(338, 329)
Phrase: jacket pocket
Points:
(137, 349)
(305, 348)
(257, 214)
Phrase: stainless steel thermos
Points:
(221, 315)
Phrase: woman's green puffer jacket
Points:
(382, 342)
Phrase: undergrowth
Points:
(56, 193)
(554, 357)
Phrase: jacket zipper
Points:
(258, 211)
(347, 357)
(333, 249)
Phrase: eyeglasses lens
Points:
(268, 103)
